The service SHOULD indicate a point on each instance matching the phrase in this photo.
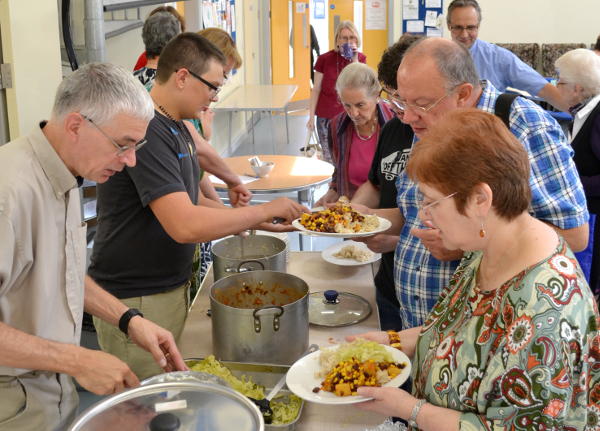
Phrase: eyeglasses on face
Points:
(213, 88)
(121, 149)
(457, 29)
(418, 109)
(425, 207)
(396, 107)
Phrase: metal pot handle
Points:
(256, 315)
(240, 269)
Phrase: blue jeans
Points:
(389, 314)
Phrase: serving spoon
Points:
(265, 404)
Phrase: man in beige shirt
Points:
(99, 117)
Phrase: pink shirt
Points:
(330, 65)
(361, 156)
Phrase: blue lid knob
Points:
(331, 296)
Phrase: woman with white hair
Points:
(579, 84)
(353, 134)
(324, 102)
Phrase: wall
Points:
(541, 21)
(30, 42)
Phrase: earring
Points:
(482, 231)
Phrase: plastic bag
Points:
(312, 149)
(389, 425)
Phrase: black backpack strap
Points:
(502, 106)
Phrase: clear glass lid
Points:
(333, 308)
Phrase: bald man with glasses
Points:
(435, 77)
(494, 63)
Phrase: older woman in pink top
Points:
(353, 134)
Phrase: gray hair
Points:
(350, 26)
(358, 76)
(158, 30)
(580, 66)
(453, 60)
(463, 3)
(100, 91)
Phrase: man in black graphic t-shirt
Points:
(391, 157)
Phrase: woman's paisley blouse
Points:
(525, 356)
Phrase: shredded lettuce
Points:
(244, 385)
(360, 349)
(284, 411)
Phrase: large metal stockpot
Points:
(255, 252)
(260, 316)
(180, 401)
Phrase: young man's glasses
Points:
(215, 90)
(396, 107)
(121, 149)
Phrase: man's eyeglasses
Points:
(403, 105)
(425, 207)
(394, 105)
(121, 149)
(215, 90)
(460, 28)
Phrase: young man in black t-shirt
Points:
(150, 217)
(391, 156)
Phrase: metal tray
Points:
(266, 375)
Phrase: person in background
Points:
(353, 134)
(512, 343)
(98, 122)
(150, 217)
(314, 49)
(143, 59)
(435, 77)
(579, 83)
(324, 102)
(597, 46)
(379, 191)
(204, 125)
(158, 30)
(495, 64)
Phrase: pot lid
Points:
(174, 402)
(333, 308)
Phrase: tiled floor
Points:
(270, 138)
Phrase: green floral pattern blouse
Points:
(525, 356)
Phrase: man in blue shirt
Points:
(495, 64)
(435, 77)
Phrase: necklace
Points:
(373, 129)
(164, 111)
(180, 126)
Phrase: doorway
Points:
(4, 133)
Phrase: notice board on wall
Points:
(221, 14)
(423, 17)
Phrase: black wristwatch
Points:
(126, 317)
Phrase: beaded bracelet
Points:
(394, 339)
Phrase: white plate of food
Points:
(304, 377)
(347, 223)
(350, 253)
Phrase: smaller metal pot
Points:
(255, 252)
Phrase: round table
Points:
(290, 174)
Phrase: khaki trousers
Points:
(168, 309)
(37, 401)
